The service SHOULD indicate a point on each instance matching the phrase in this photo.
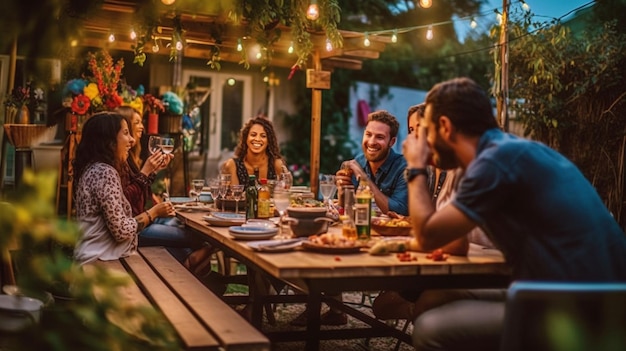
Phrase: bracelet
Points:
(149, 217)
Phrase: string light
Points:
(426, 3)
(394, 36)
(313, 11)
(111, 38)
(473, 23)
(525, 6)
(133, 34)
(155, 47)
(168, 2)
(290, 50)
(179, 45)
(239, 45)
(74, 43)
(366, 41)
(429, 33)
(329, 45)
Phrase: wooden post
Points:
(503, 94)
(316, 127)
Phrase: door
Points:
(219, 103)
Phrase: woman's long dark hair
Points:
(272, 143)
(98, 142)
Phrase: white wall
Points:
(397, 103)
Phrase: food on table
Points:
(438, 255)
(297, 201)
(405, 257)
(331, 240)
(385, 247)
(391, 222)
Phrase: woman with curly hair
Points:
(257, 153)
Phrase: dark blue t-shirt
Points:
(390, 180)
(540, 210)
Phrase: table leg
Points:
(313, 322)
(256, 300)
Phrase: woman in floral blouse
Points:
(109, 230)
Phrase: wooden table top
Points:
(303, 264)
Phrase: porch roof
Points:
(203, 29)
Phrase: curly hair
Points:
(387, 118)
(98, 142)
(272, 145)
(419, 108)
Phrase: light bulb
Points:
(394, 36)
(426, 3)
(525, 6)
(473, 23)
(259, 55)
(366, 41)
(179, 45)
(290, 50)
(111, 38)
(499, 18)
(329, 45)
(239, 46)
(155, 47)
(133, 34)
(429, 33)
(74, 43)
(313, 11)
(168, 2)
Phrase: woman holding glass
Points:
(257, 153)
(164, 229)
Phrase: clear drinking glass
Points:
(197, 185)
(224, 181)
(327, 187)
(167, 145)
(282, 198)
(237, 191)
(154, 143)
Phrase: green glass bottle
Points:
(363, 210)
(251, 198)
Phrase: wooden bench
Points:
(202, 320)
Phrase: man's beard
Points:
(382, 154)
(444, 156)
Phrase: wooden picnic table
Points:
(318, 273)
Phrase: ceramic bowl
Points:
(306, 212)
(18, 312)
(304, 227)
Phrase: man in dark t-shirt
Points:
(533, 203)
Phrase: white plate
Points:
(180, 200)
(192, 206)
(230, 215)
(252, 233)
(275, 245)
(220, 222)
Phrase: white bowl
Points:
(18, 312)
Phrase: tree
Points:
(569, 93)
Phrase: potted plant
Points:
(153, 107)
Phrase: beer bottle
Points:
(264, 200)
(251, 198)
(363, 210)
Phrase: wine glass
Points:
(154, 143)
(167, 145)
(327, 187)
(281, 202)
(214, 185)
(197, 185)
(237, 191)
(224, 181)
(286, 179)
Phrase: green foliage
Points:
(569, 93)
(88, 312)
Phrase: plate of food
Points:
(193, 206)
(387, 226)
(331, 243)
(223, 222)
(252, 233)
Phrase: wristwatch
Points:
(411, 173)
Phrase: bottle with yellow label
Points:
(348, 229)
(264, 200)
(363, 210)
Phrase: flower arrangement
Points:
(132, 97)
(152, 104)
(98, 89)
(19, 97)
(173, 103)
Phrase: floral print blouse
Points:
(109, 230)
